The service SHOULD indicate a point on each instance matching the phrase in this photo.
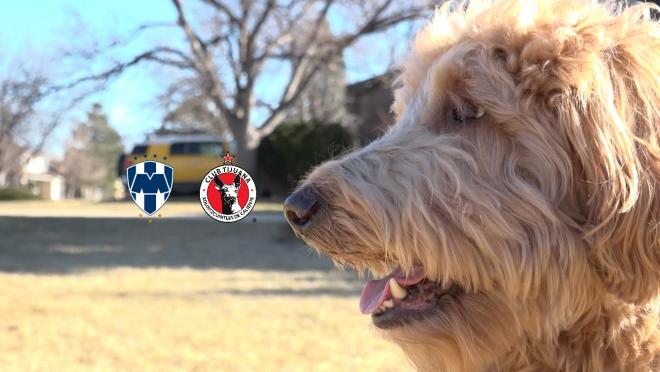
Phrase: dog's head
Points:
(519, 187)
(228, 191)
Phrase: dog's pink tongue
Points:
(377, 291)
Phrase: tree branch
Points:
(376, 23)
(205, 66)
(258, 25)
(150, 55)
(279, 113)
(224, 9)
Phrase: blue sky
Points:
(37, 30)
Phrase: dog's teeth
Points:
(388, 304)
(480, 112)
(397, 291)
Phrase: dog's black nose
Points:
(300, 208)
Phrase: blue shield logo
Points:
(150, 184)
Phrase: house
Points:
(41, 178)
(368, 103)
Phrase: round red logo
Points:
(227, 193)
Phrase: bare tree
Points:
(227, 52)
(192, 115)
(187, 109)
(323, 99)
(22, 133)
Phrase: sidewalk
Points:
(263, 211)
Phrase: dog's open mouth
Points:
(399, 299)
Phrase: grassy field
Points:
(116, 294)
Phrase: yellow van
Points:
(191, 156)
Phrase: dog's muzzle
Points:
(300, 208)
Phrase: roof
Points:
(381, 81)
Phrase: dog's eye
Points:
(463, 114)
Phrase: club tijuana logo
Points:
(227, 192)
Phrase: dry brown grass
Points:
(181, 294)
(187, 319)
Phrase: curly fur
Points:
(546, 211)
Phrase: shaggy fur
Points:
(545, 210)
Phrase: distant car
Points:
(191, 156)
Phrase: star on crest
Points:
(228, 158)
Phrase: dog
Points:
(512, 212)
(228, 194)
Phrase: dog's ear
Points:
(237, 182)
(218, 182)
(613, 124)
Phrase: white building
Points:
(38, 176)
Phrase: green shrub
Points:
(288, 153)
(16, 194)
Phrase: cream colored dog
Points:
(513, 210)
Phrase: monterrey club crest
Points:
(150, 184)
(227, 192)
